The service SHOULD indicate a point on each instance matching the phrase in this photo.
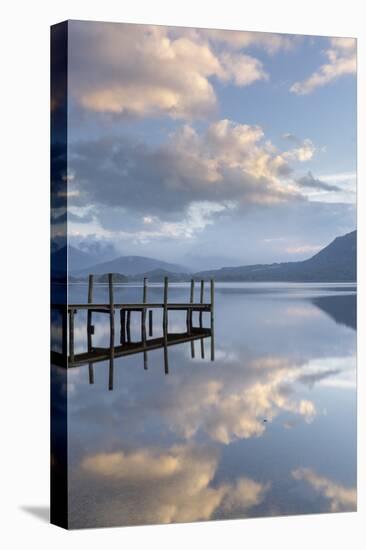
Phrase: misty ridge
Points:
(334, 263)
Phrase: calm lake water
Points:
(267, 429)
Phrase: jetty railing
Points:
(146, 343)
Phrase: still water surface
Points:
(267, 429)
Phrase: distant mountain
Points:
(131, 265)
(334, 263)
(157, 276)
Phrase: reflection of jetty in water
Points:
(147, 343)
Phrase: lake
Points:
(266, 429)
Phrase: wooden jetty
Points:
(97, 354)
(146, 342)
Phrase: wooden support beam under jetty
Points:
(99, 354)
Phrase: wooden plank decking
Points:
(96, 355)
(139, 307)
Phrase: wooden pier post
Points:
(189, 310)
(122, 315)
(165, 313)
(111, 371)
(201, 299)
(111, 321)
(143, 322)
(150, 322)
(212, 306)
(111, 341)
(165, 326)
(166, 363)
(89, 314)
(190, 317)
(143, 311)
(192, 349)
(111, 290)
(91, 373)
(111, 308)
(128, 325)
(145, 354)
(202, 293)
(90, 288)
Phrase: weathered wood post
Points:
(145, 357)
(189, 310)
(212, 307)
(150, 322)
(143, 322)
(192, 349)
(90, 288)
(111, 321)
(122, 315)
(128, 325)
(202, 293)
(202, 348)
(91, 373)
(190, 317)
(166, 363)
(111, 308)
(111, 370)
(165, 313)
(90, 313)
(143, 311)
(165, 326)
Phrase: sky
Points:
(209, 148)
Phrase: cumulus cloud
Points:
(303, 149)
(342, 61)
(302, 153)
(309, 181)
(227, 413)
(242, 69)
(142, 465)
(231, 404)
(148, 70)
(168, 485)
(227, 164)
(341, 499)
